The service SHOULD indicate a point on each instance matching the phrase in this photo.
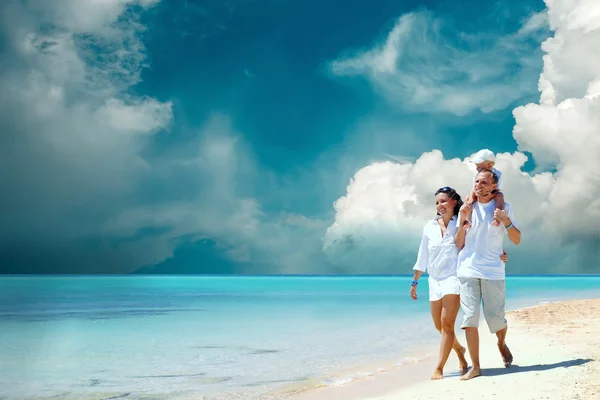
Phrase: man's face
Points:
(484, 183)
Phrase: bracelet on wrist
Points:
(414, 283)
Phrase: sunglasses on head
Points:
(445, 189)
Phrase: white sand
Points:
(556, 349)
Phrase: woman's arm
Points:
(422, 255)
(414, 283)
(461, 232)
(420, 264)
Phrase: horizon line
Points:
(266, 275)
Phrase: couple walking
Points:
(462, 251)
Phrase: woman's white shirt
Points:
(438, 255)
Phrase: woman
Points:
(438, 256)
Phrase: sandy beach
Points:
(556, 349)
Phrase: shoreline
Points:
(387, 373)
(551, 342)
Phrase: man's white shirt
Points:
(484, 244)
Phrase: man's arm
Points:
(514, 234)
(507, 218)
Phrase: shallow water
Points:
(221, 337)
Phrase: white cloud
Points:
(72, 133)
(379, 220)
(143, 116)
(564, 129)
(534, 23)
(90, 16)
(421, 68)
(576, 26)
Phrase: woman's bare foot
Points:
(463, 365)
(437, 374)
(474, 372)
(507, 356)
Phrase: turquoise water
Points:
(170, 337)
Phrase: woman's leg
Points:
(436, 314)
(449, 310)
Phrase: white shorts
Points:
(492, 293)
(440, 288)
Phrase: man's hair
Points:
(494, 176)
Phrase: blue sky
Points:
(215, 137)
(265, 66)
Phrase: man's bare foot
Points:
(507, 356)
(437, 374)
(473, 373)
(463, 365)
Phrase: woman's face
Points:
(444, 204)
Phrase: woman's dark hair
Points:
(453, 195)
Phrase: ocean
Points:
(218, 337)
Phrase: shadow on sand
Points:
(513, 369)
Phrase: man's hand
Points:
(501, 216)
(413, 292)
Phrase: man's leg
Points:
(472, 335)
(493, 295)
(470, 297)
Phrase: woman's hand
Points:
(413, 292)
(466, 225)
(504, 256)
(464, 212)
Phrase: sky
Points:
(259, 137)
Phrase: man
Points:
(480, 269)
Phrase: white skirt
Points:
(440, 288)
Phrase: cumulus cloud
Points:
(422, 67)
(564, 128)
(379, 220)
